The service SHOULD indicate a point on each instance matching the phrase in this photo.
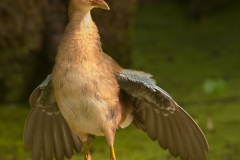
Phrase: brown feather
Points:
(197, 131)
(179, 137)
(58, 143)
(34, 97)
(185, 135)
(48, 148)
(171, 136)
(76, 143)
(38, 137)
(150, 124)
(30, 127)
(194, 139)
(162, 140)
(67, 139)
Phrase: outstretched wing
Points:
(156, 113)
(46, 131)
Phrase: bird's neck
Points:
(81, 38)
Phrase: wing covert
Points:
(140, 85)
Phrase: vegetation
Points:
(181, 54)
(213, 88)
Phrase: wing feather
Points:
(172, 136)
(141, 112)
(30, 127)
(76, 143)
(181, 145)
(150, 124)
(194, 139)
(195, 128)
(164, 120)
(186, 132)
(38, 137)
(58, 143)
(46, 131)
(67, 139)
(48, 149)
(162, 141)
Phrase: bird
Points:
(88, 94)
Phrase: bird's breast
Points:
(86, 94)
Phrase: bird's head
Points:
(89, 4)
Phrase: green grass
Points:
(12, 119)
(180, 54)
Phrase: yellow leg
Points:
(112, 154)
(87, 155)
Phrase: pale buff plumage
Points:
(83, 83)
(95, 96)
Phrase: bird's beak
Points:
(100, 4)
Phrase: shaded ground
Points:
(180, 54)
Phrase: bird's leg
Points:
(110, 135)
(112, 153)
(87, 155)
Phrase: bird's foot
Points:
(87, 157)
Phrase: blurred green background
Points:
(190, 46)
